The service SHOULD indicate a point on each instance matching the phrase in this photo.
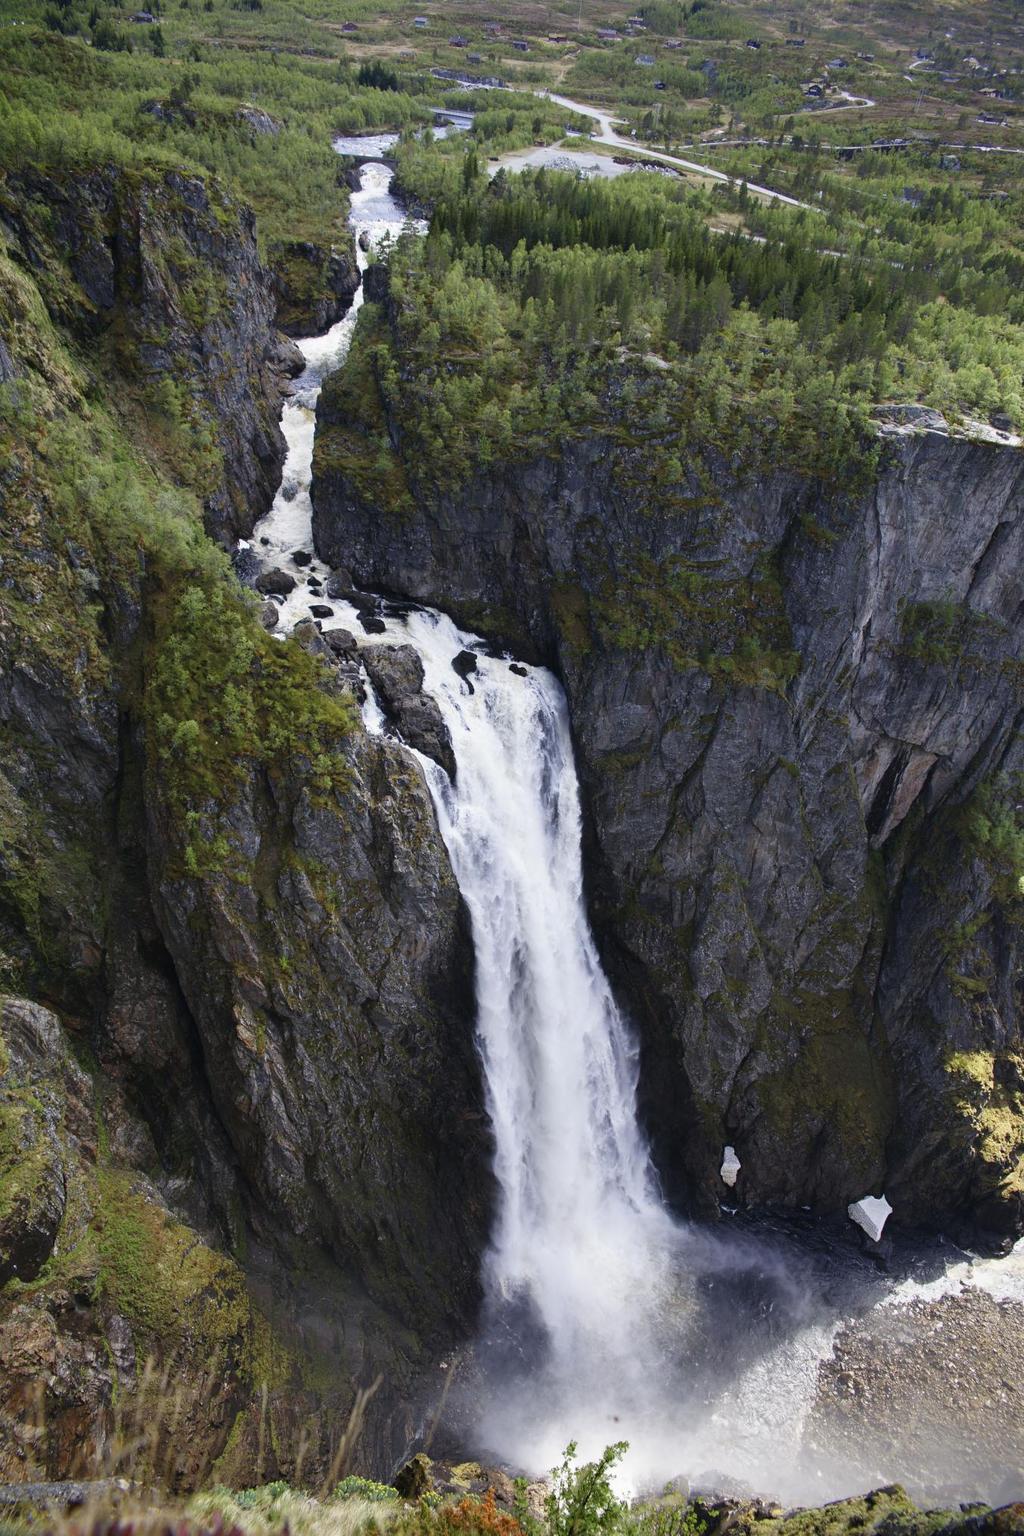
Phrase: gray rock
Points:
(247, 566)
(276, 581)
(128, 247)
(921, 417)
(396, 673)
(270, 615)
(341, 641)
(314, 284)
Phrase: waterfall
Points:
(613, 1300)
(579, 1204)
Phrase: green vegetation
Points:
(221, 694)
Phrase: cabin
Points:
(659, 85)
(839, 63)
(607, 34)
(950, 162)
(796, 42)
(752, 42)
(556, 37)
(674, 42)
(645, 60)
(868, 58)
(520, 44)
(458, 42)
(143, 16)
(814, 91)
(349, 26)
(420, 21)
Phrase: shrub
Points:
(582, 1501)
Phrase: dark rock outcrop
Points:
(396, 673)
(314, 285)
(276, 581)
(796, 714)
(166, 266)
(332, 992)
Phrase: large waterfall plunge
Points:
(607, 1302)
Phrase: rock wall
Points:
(796, 713)
(159, 278)
(314, 285)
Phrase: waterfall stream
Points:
(606, 1318)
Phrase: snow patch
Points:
(871, 1214)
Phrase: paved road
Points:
(606, 135)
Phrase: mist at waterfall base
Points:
(605, 1319)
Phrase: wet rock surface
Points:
(397, 676)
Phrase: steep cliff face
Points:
(240, 1124)
(329, 972)
(314, 285)
(158, 275)
(796, 715)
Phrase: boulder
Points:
(465, 664)
(276, 582)
(396, 673)
(341, 641)
(307, 633)
(247, 565)
(269, 614)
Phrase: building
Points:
(420, 21)
(521, 44)
(607, 34)
(644, 59)
(752, 42)
(458, 42)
